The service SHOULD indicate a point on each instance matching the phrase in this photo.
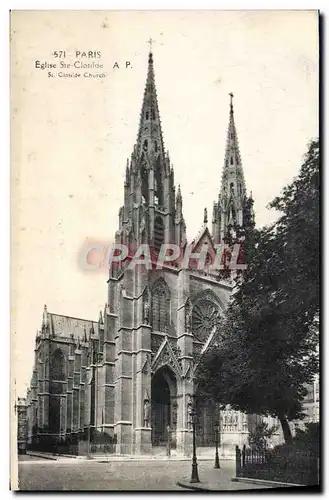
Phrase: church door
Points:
(161, 408)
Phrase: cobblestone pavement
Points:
(162, 475)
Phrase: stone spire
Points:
(228, 211)
(149, 139)
(151, 213)
(232, 177)
(232, 153)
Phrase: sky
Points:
(71, 137)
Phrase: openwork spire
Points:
(149, 139)
(233, 183)
(149, 182)
(229, 209)
(232, 153)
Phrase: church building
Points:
(125, 383)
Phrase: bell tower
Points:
(229, 212)
(151, 212)
(139, 296)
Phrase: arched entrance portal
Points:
(164, 406)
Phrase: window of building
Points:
(56, 387)
(205, 318)
(58, 366)
(147, 114)
(232, 161)
(158, 232)
(160, 306)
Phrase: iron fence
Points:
(289, 466)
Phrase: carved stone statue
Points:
(146, 413)
(188, 318)
(146, 311)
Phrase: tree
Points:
(266, 348)
(261, 435)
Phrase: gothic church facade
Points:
(128, 378)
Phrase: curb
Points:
(41, 456)
(144, 458)
(264, 482)
(194, 486)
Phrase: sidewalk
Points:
(109, 457)
(218, 479)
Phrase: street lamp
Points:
(168, 440)
(195, 475)
(217, 429)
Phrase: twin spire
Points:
(150, 178)
(149, 137)
(232, 152)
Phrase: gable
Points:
(202, 240)
(166, 356)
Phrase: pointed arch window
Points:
(147, 114)
(57, 367)
(159, 231)
(160, 294)
(232, 161)
(145, 145)
(56, 387)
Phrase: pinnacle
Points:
(205, 216)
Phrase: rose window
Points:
(205, 317)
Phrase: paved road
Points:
(90, 475)
(75, 474)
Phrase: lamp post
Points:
(88, 445)
(217, 466)
(168, 440)
(195, 475)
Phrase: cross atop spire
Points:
(150, 42)
(231, 101)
